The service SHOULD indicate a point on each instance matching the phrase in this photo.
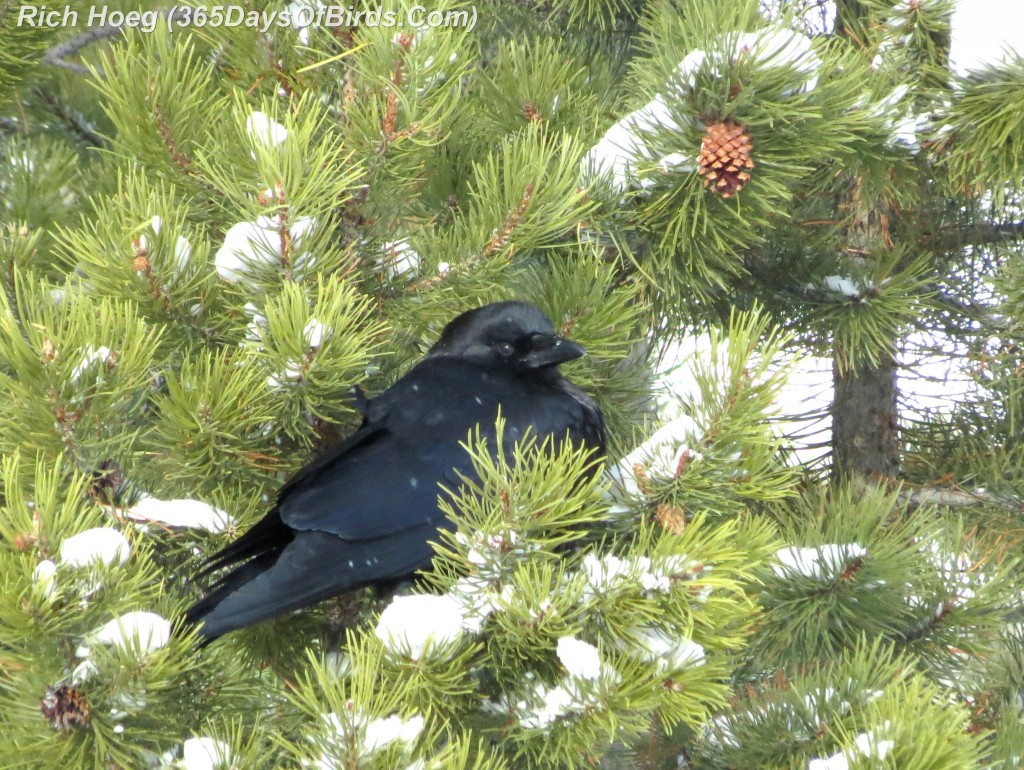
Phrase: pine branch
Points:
(983, 315)
(979, 234)
(956, 498)
(56, 56)
(72, 120)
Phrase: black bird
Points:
(364, 512)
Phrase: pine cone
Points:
(65, 708)
(725, 158)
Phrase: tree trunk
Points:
(865, 430)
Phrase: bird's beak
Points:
(558, 352)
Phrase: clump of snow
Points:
(302, 15)
(866, 744)
(250, 246)
(291, 374)
(382, 732)
(608, 572)
(191, 514)
(90, 358)
(581, 659)
(257, 323)
(624, 146)
(554, 703)
(205, 753)
(399, 258)
(182, 248)
(370, 735)
(338, 663)
(676, 161)
(412, 625)
(771, 47)
(663, 455)
(146, 631)
(897, 112)
(265, 130)
(604, 572)
(314, 333)
(671, 653)
(478, 599)
(488, 552)
(820, 562)
(617, 154)
(906, 131)
(45, 576)
(835, 762)
(99, 544)
(957, 570)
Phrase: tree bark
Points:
(865, 429)
(865, 420)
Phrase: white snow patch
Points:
(617, 153)
(819, 562)
(182, 248)
(399, 258)
(866, 744)
(249, 246)
(370, 735)
(662, 455)
(92, 356)
(99, 544)
(147, 631)
(45, 576)
(205, 753)
(770, 48)
(254, 331)
(411, 625)
(265, 130)
(302, 15)
(670, 653)
(314, 333)
(191, 514)
(581, 659)
(478, 600)
(292, 373)
(555, 702)
(383, 732)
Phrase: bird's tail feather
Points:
(314, 567)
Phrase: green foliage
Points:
(127, 695)
(205, 249)
(76, 377)
(732, 462)
(900, 719)
(921, 583)
(522, 590)
(23, 45)
(985, 143)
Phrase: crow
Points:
(364, 512)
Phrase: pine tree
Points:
(211, 231)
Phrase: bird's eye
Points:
(505, 348)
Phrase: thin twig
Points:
(955, 498)
(75, 122)
(57, 55)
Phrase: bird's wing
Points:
(386, 478)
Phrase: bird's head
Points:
(514, 336)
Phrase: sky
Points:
(983, 29)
